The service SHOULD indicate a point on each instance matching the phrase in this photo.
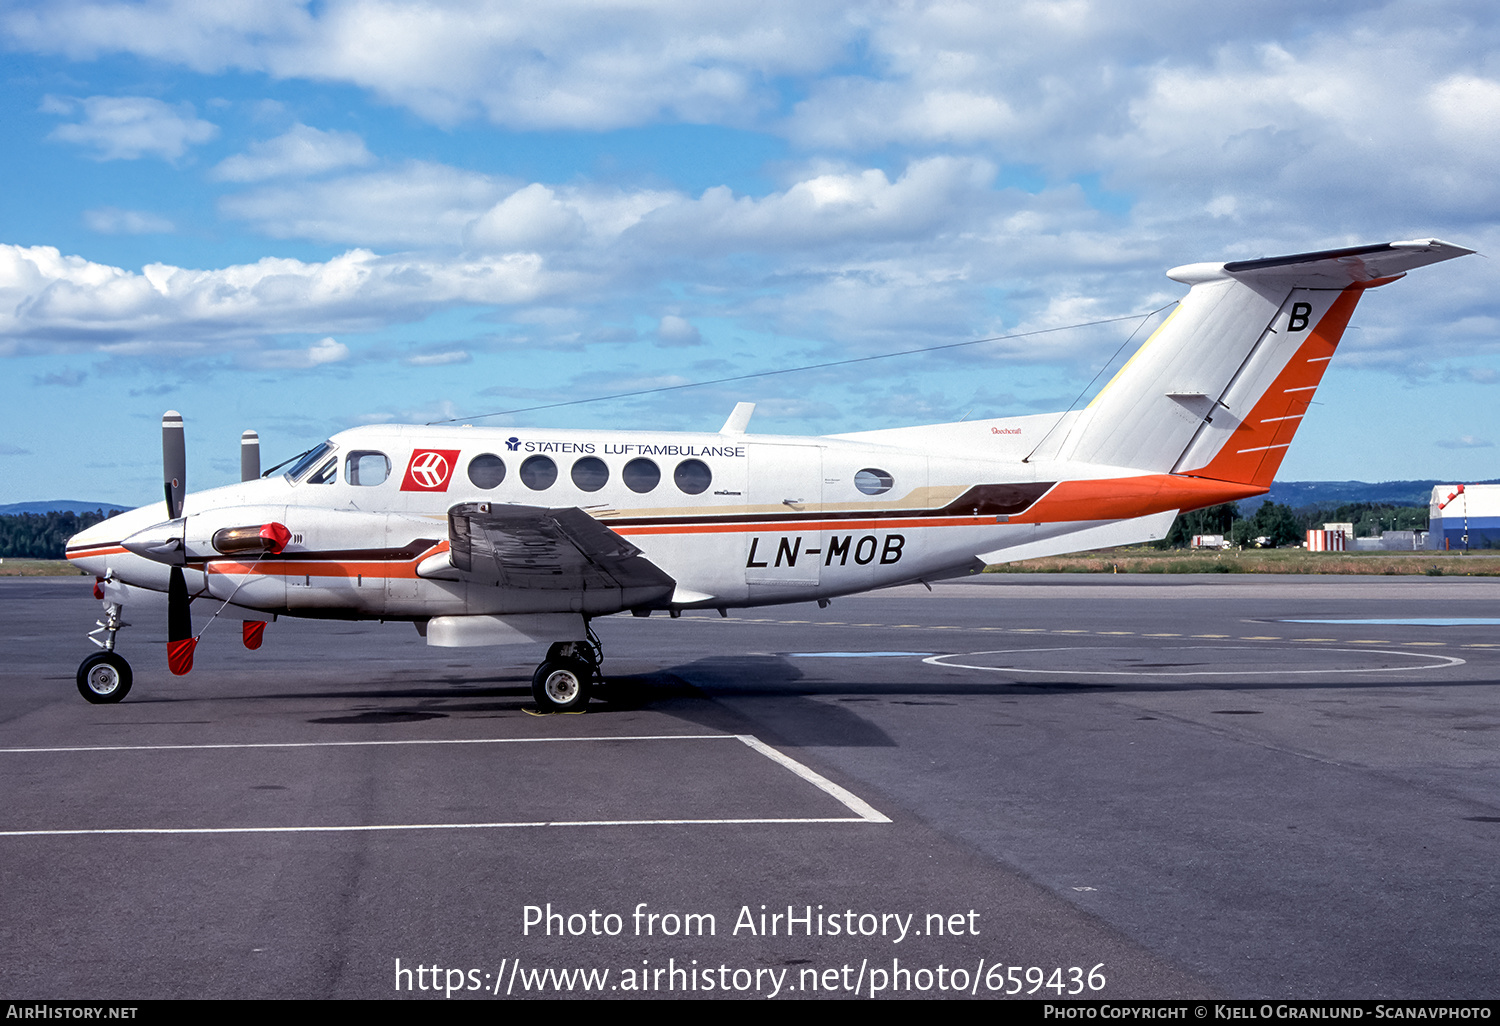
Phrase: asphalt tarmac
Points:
(1112, 787)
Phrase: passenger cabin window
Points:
(486, 471)
(590, 473)
(873, 482)
(641, 475)
(538, 473)
(693, 476)
(365, 468)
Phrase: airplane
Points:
(493, 536)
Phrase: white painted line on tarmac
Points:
(362, 744)
(863, 811)
(822, 783)
(371, 827)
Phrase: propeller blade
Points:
(252, 631)
(173, 462)
(180, 640)
(249, 456)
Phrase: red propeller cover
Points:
(277, 535)
(180, 655)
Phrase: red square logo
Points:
(430, 470)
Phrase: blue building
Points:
(1456, 509)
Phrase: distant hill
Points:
(60, 506)
(1298, 494)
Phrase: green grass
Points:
(38, 568)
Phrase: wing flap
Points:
(532, 547)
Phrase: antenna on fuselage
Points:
(739, 419)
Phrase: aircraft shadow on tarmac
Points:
(804, 715)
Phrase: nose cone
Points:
(160, 542)
(92, 548)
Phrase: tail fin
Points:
(1220, 388)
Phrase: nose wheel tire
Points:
(562, 685)
(104, 678)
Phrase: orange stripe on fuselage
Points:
(84, 552)
(1124, 498)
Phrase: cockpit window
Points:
(309, 460)
(365, 468)
(328, 473)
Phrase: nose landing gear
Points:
(104, 677)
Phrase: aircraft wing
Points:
(533, 547)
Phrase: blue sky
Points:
(300, 217)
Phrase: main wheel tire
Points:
(562, 685)
(104, 678)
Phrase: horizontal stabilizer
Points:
(1329, 268)
(1221, 386)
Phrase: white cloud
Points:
(419, 204)
(114, 221)
(131, 127)
(324, 351)
(532, 218)
(930, 197)
(51, 301)
(1466, 442)
(442, 359)
(70, 377)
(572, 63)
(540, 218)
(678, 331)
(300, 151)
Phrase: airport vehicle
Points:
(486, 536)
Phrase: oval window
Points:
(873, 482)
(692, 476)
(590, 473)
(641, 475)
(486, 470)
(538, 473)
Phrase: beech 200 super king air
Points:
(484, 536)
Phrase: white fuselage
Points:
(734, 519)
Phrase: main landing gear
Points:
(563, 681)
(104, 677)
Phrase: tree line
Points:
(1283, 526)
(43, 535)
